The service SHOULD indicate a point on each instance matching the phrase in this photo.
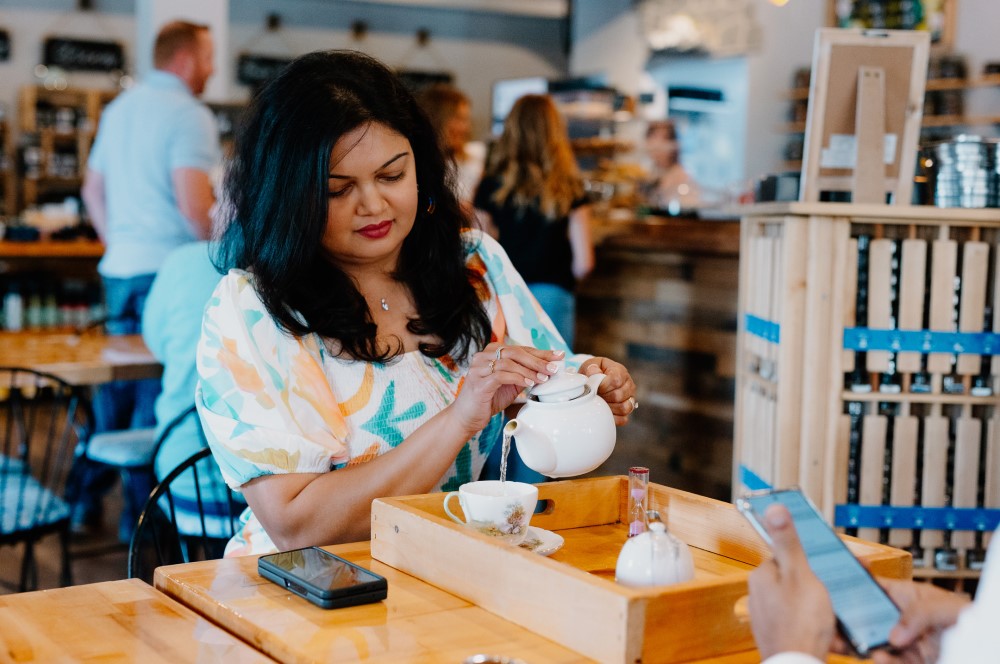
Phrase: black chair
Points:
(45, 422)
(193, 523)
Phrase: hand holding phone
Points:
(864, 612)
(326, 580)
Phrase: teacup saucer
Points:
(541, 541)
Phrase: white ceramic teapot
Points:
(654, 558)
(564, 429)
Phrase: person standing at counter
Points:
(148, 191)
(364, 342)
(533, 195)
(671, 187)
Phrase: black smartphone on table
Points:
(865, 613)
(326, 580)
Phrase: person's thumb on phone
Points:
(786, 546)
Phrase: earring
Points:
(431, 206)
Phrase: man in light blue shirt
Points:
(148, 191)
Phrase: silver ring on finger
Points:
(498, 357)
(635, 404)
(493, 365)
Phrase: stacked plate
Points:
(966, 172)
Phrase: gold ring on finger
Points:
(499, 350)
(493, 364)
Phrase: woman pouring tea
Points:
(365, 341)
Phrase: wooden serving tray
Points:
(571, 597)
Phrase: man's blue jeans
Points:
(119, 405)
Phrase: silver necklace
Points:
(385, 305)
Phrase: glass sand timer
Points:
(638, 481)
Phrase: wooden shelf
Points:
(52, 249)
(959, 120)
(87, 105)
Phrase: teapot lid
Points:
(564, 385)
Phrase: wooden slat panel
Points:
(850, 298)
(904, 472)
(965, 481)
(935, 473)
(991, 497)
(873, 436)
(879, 299)
(944, 259)
(911, 298)
(975, 270)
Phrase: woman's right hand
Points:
(492, 384)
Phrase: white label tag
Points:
(843, 151)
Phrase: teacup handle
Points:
(447, 511)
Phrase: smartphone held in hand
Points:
(865, 613)
(326, 580)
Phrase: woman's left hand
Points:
(618, 388)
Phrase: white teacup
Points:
(495, 508)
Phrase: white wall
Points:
(477, 47)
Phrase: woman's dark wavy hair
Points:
(277, 186)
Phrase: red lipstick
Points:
(376, 231)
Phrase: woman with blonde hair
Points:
(533, 194)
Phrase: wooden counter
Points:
(662, 300)
(115, 621)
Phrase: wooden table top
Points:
(88, 359)
(416, 623)
(114, 621)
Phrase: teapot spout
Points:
(534, 447)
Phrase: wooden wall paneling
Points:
(788, 397)
(911, 298)
(824, 336)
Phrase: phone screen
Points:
(865, 611)
(321, 569)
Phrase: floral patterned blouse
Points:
(272, 403)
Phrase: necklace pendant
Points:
(385, 305)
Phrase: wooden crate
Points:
(571, 597)
(840, 308)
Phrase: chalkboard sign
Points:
(4, 45)
(82, 54)
(256, 70)
(416, 80)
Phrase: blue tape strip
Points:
(922, 341)
(752, 480)
(917, 518)
(762, 328)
